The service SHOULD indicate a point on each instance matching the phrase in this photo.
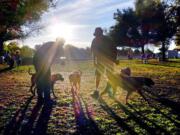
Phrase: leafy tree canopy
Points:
(16, 13)
(152, 21)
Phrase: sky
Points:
(75, 21)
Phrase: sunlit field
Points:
(158, 115)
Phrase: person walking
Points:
(104, 56)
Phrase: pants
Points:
(43, 83)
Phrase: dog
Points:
(130, 83)
(75, 79)
(54, 78)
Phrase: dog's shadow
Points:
(84, 121)
(120, 121)
(154, 99)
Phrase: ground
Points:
(82, 114)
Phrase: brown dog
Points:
(75, 79)
(54, 78)
(129, 83)
(134, 84)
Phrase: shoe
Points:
(40, 100)
(95, 94)
(49, 102)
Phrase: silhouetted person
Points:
(8, 58)
(104, 54)
(43, 59)
(17, 57)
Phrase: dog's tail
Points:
(29, 71)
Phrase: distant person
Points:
(145, 58)
(130, 56)
(8, 58)
(43, 60)
(18, 58)
(104, 55)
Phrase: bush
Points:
(27, 61)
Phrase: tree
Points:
(148, 51)
(175, 11)
(137, 52)
(26, 51)
(126, 24)
(153, 21)
(72, 52)
(17, 13)
(147, 14)
(12, 47)
(132, 28)
(158, 22)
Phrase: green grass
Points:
(110, 116)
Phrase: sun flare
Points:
(61, 30)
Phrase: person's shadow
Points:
(41, 126)
(16, 121)
(36, 123)
(38, 126)
(85, 123)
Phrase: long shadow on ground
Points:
(154, 100)
(35, 124)
(85, 123)
(38, 121)
(120, 121)
(141, 121)
(14, 124)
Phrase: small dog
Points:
(131, 84)
(54, 78)
(75, 79)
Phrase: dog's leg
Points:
(31, 88)
(79, 82)
(104, 92)
(142, 95)
(71, 84)
(114, 90)
(52, 88)
(76, 87)
(34, 90)
(127, 96)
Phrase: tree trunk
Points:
(1, 46)
(163, 51)
(142, 47)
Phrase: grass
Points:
(106, 116)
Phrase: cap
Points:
(98, 31)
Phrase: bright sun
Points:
(61, 30)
